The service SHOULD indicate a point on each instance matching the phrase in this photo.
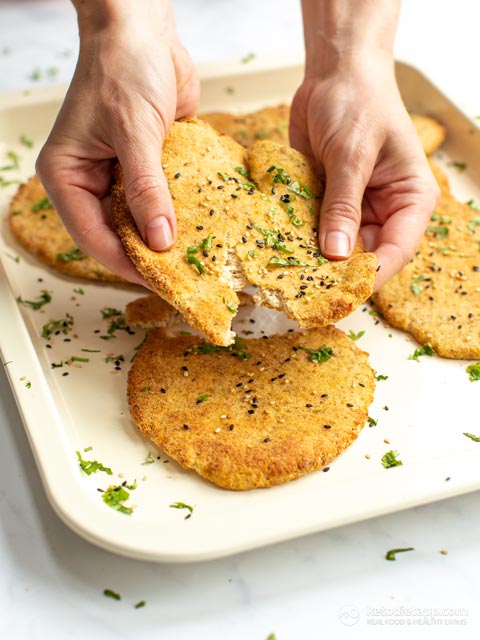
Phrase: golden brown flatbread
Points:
(270, 123)
(257, 414)
(436, 297)
(232, 232)
(39, 229)
(430, 131)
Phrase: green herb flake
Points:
(473, 204)
(416, 287)
(90, 350)
(12, 257)
(252, 253)
(112, 594)
(318, 355)
(279, 175)
(78, 359)
(474, 371)
(439, 232)
(181, 505)
(294, 219)
(27, 142)
(273, 238)
(380, 376)
(473, 224)
(271, 636)
(301, 189)
(472, 437)
(55, 327)
(230, 90)
(115, 496)
(372, 421)
(92, 466)
(146, 387)
(87, 449)
(41, 205)
(109, 312)
(202, 398)
(390, 555)
(148, 460)
(73, 254)
(137, 347)
(243, 172)
(140, 604)
(461, 166)
(36, 74)
(248, 58)
(7, 183)
(45, 298)
(355, 336)
(28, 384)
(238, 348)
(390, 459)
(376, 314)
(80, 291)
(426, 350)
(291, 261)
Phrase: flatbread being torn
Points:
(257, 414)
(271, 123)
(39, 229)
(244, 217)
(436, 297)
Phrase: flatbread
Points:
(256, 415)
(39, 229)
(436, 297)
(430, 131)
(239, 234)
(272, 123)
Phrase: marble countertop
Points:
(333, 584)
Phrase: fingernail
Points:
(159, 234)
(337, 244)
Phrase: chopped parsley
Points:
(380, 376)
(390, 555)
(117, 322)
(92, 466)
(238, 348)
(45, 298)
(461, 166)
(243, 172)
(112, 594)
(291, 261)
(279, 175)
(376, 314)
(73, 254)
(78, 359)
(473, 224)
(108, 312)
(230, 306)
(473, 204)
(273, 238)
(416, 287)
(181, 505)
(202, 398)
(14, 258)
(372, 421)
(28, 384)
(148, 460)
(438, 217)
(301, 190)
(472, 437)
(318, 355)
(55, 327)
(426, 350)
(474, 371)
(390, 459)
(14, 162)
(90, 350)
(6, 183)
(45, 203)
(115, 496)
(355, 336)
(137, 347)
(27, 142)
(140, 604)
(294, 219)
(248, 58)
(439, 232)
(80, 291)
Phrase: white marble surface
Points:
(51, 581)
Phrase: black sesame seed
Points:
(280, 277)
(234, 195)
(324, 395)
(273, 379)
(177, 175)
(309, 406)
(65, 374)
(476, 268)
(214, 258)
(219, 246)
(327, 426)
(184, 368)
(349, 404)
(186, 427)
(220, 186)
(162, 390)
(250, 411)
(325, 469)
(470, 315)
(360, 384)
(282, 375)
(205, 254)
(267, 440)
(199, 190)
(239, 384)
(212, 211)
(244, 240)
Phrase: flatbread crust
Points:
(436, 297)
(254, 235)
(272, 123)
(42, 233)
(267, 419)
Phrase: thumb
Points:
(146, 190)
(341, 209)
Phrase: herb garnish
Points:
(248, 58)
(294, 219)
(381, 377)
(372, 421)
(80, 291)
(243, 172)
(230, 306)
(301, 190)
(78, 359)
(54, 327)
(473, 224)
(73, 254)
(205, 245)
(438, 217)
(112, 594)
(45, 298)
(440, 232)
(390, 460)
(273, 238)
(45, 203)
(92, 466)
(140, 604)
(14, 160)
(318, 355)
(279, 175)
(473, 204)
(474, 371)
(291, 261)
(390, 555)
(27, 142)
(426, 350)
(202, 398)
(148, 460)
(461, 166)
(355, 336)
(238, 348)
(115, 496)
(117, 323)
(472, 437)
(181, 505)
(416, 287)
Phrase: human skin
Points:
(133, 78)
(349, 119)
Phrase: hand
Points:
(354, 127)
(133, 78)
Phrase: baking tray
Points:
(422, 409)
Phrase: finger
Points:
(88, 223)
(146, 190)
(341, 210)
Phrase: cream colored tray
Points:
(430, 403)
